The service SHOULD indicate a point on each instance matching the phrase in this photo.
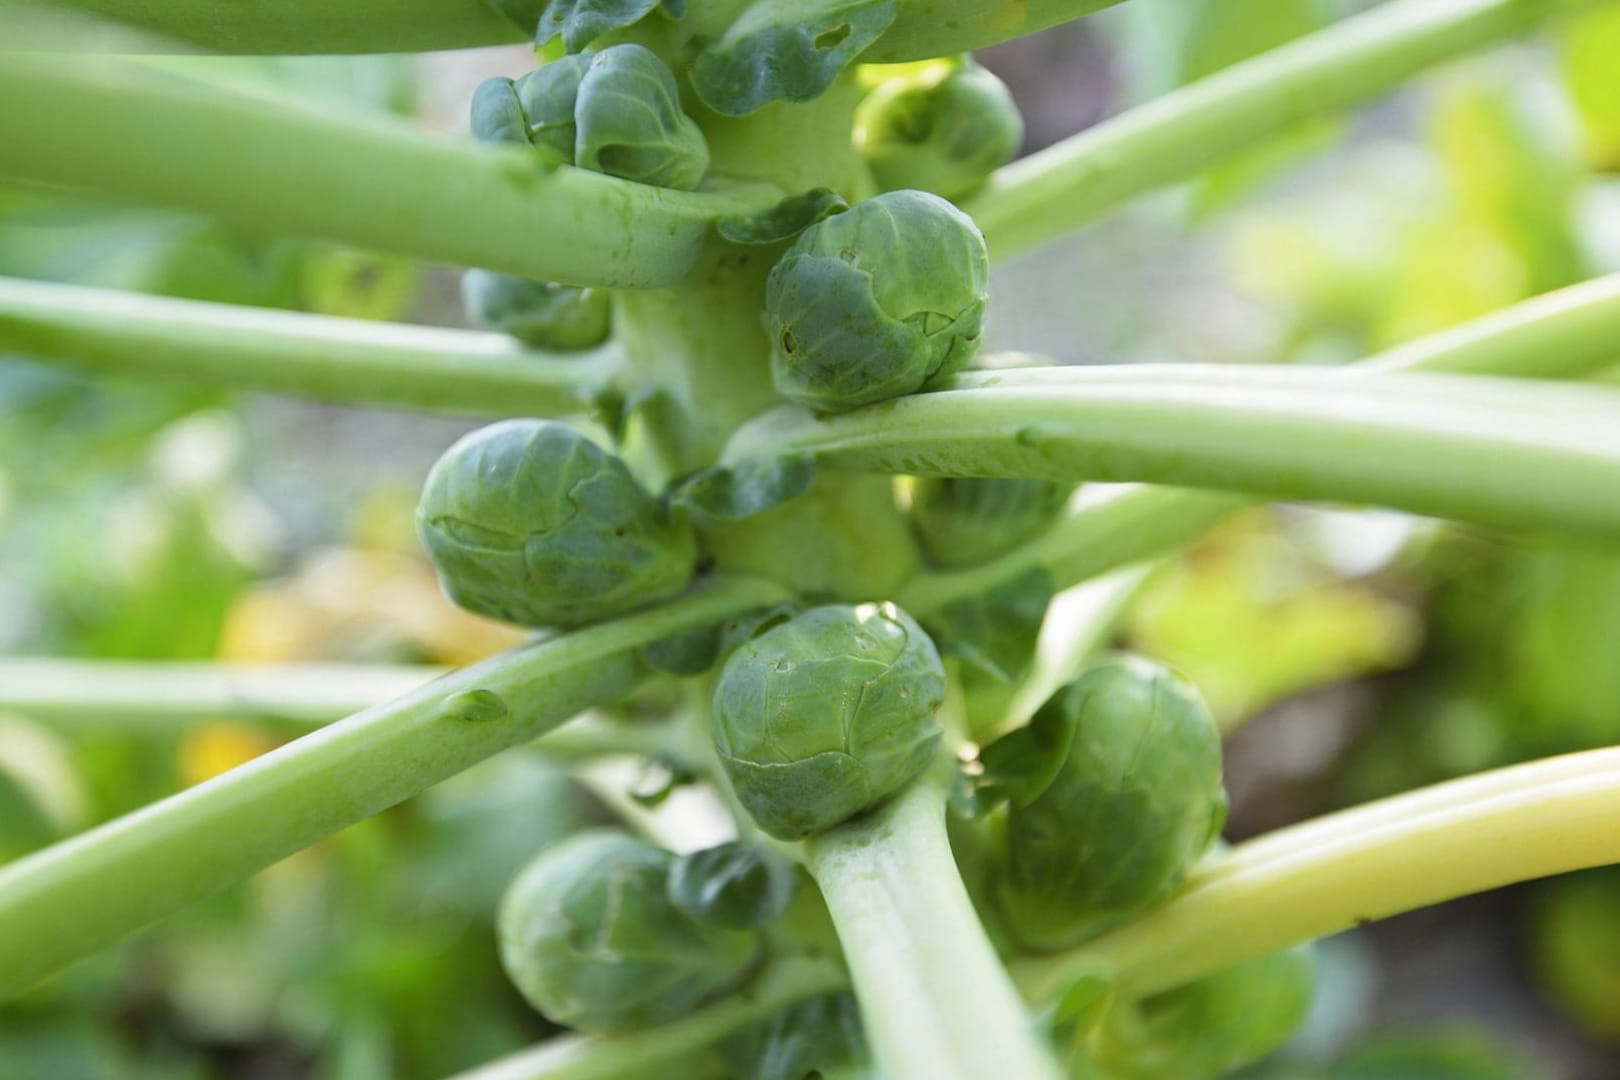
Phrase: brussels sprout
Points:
(590, 938)
(965, 520)
(617, 111)
(944, 130)
(826, 715)
(871, 303)
(529, 521)
(1115, 790)
(1206, 1029)
(812, 1039)
(538, 313)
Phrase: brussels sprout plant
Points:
(776, 523)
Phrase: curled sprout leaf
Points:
(541, 314)
(872, 303)
(944, 129)
(590, 938)
(1114, 790)
(826, 715)
(580, 22)
(743, 490)
(736, 885)
(531, 522)
(786, 50)
(785, 220)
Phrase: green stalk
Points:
(331, 359)
(643, 1053)
(307, 26)
(1568, 333)
(936, 1002)
(1311, 880)
(1178, 136)
(1494, 451)
(924, 29)
(130, 130)
(86, 893)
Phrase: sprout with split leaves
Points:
(541, 314)
(590, 937)
(531, 522)
(943, 129)
(826, 715)
(872, 303)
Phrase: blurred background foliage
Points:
(1348, 654)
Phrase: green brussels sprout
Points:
(590, 938)
(944, 130)
(965, 520)
(617, 111)
(1206, 1029)
(540, 314)
(531, 522)
(871, 303)
(1115, 790)
(826, 715)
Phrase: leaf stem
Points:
(1177, 136)
(317, 356)
(936, 1001)
(130, 129)
(1310, 880)
(83, 894)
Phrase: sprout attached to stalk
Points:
(541, 314)
(1114, 791)
(591, 938)
(826, 715)
(942, 129)
(531, 522)
(872, 303)
(962, 521)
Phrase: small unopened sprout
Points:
(589, 936)
(531, 522)
(540, 314)
(944, 129)
(1115, 790)
(871, 303)
(617, 111)
(827, 715)
(961, 521)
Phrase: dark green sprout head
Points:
(531, 522)
(871, 303)
(590, 937)
(827, 714)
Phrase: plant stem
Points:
(936, 1002)
(1311, 880)
(310, 26)
(924, 29)
(1494, 451)
(1177, 136)
(639, 1054)
(317, 356)
(131, 130)
(1567, 333)
(85, 893)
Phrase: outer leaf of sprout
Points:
(630, 122)
(529, 521)
(1115, 790)
(943, 130)
(548, 97)
(538, 313)
(826, 715)
(581, 22)
(589, 936)
(871, 303)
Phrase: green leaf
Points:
(736, 885)
(786, 50)
(746, 489)
(783, 221)
(581, 22)
(995, 632)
